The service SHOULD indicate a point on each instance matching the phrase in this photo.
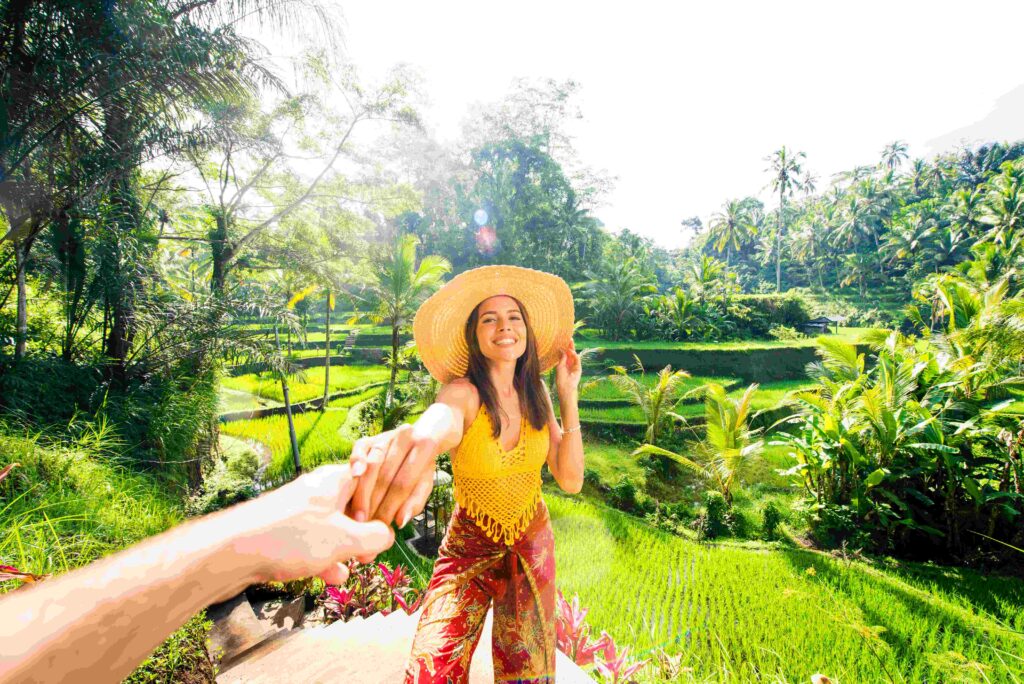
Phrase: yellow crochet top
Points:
(499, 489)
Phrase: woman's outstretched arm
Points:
(396, 476)
(97, 623)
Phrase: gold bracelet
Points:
(575, 429)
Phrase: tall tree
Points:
(397, 286)
(894, 154)
(244, 154)
(785, 169)
(732, 226)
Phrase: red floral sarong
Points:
(470, 572)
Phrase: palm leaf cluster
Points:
(730, 447)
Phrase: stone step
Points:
(236, 629)
(370, 651)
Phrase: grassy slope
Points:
(784, 613)
(65, 507)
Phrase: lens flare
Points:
(486, 240)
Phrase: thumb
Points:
(362, 538)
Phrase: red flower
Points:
(407, 608)
(396, 577)
(616, 665)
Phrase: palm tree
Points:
(1003, 208)
(908, 239)
(858, 268)
(731, 227)
(894, 154)
(657, 400)
(398, 286)
(616, 293)
(704, 273)
(729, 448)
(785, 169)
(681, 311)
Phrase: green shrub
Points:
(714, 521)
(771, 517)
(835, 524)
(784, 332)
(231, 481)
(756, 315)
(623, 495)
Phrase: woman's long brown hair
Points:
(532, 401)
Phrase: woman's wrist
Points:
(571, 394)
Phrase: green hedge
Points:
(752, 365)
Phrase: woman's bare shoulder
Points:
(461, 394)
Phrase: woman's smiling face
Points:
(500, 329)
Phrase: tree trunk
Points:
(220, 254)
(20, 257)
(394, 365)
(327, 353)
(288, 412)
(778, 242)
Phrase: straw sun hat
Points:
(440, 323)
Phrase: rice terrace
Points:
(802, 393)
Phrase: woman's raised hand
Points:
(568, 371)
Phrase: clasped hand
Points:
(395, 475)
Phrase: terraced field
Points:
(309, 384)
(768, 396)
(744, 615)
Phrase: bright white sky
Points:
(683, 100)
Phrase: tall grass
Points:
(66, 505)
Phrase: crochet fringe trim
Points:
(495, 530)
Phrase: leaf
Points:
(971, 485)
(7, 469)
(299, 296)
(876, 477)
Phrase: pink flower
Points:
(572, 614)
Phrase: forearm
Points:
(439, 425)
(570, 448)
(99, 622)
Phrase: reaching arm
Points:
(565, 456)
(97, 623)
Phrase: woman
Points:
(487, 336)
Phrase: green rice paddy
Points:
(755, 615)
